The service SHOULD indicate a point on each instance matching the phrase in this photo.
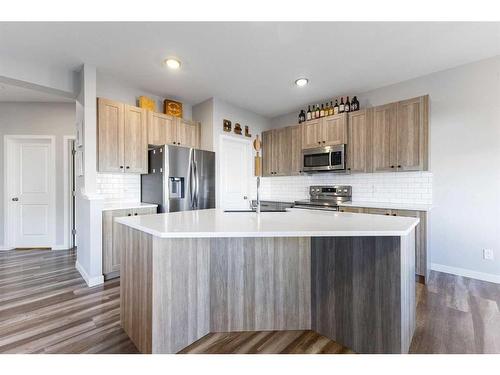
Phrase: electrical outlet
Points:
(488, 254)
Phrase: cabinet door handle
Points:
(121, 166)
(394, 215)
(387, 213)
(129, 214)
(392, 166)
(399, 166)
(319, 142)
(135, 214)
(348, 169)
(324, 141)
(127, 167)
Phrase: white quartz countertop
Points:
(293, 223)
(109, 206)
(386, 205)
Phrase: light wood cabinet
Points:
(276, 149)
(135, 140)
(358, 145)
(188, 133)
(384, 137)
(400, 136)
(295, 136)
(165, 129)
(334, 130)
(412, 134)
(267, 153)
(311, 134)
(158, 127)
(110, 135)
(327, 131)
(111, 254)
(122, 138)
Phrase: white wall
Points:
(56, 119)
(465, 160)
(117, 89)
(204, 113)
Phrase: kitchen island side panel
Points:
(136, 285)
(260, 284)
(362, 291)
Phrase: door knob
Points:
(15, 199)
(245, 197)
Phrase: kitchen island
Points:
(350, 277)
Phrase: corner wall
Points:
(57, 119)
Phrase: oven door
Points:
(316, 159)
(337, 158)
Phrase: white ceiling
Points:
(9, 93)
(254, 65)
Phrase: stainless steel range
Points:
(325, 197)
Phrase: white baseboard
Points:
(492, 278)
(91, 281)
(5, 248)
(60, 247)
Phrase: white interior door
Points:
(31, 192)
(235, 164)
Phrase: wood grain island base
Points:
(356, 290)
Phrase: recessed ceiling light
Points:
(173, 63)
(301, 82)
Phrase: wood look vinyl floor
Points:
(46, 307)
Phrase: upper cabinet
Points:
(400, 136)
(158, 123)
(295, 136)
(124, 132)
(276, 149)
(165, 129)
(327, 131)
(358, 145)
(384, 137)
(110, 135)
(122, 138)
(135, 140)
(412, 133)
(188, 133)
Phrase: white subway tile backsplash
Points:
(119, 187)
(404, 187)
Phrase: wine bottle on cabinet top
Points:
(347, 106)
(336, 107)
(354, 104)
(342, 105)
(330, 109)
(322, 111)
(317, 111)
(308, 113)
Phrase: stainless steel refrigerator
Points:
(179, 179)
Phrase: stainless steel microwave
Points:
(323, 159)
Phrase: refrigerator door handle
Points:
(197, 185)
(191, 180)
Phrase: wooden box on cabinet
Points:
(122, 137)
(111, 254)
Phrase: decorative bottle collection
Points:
(328, 109)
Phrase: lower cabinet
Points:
(111, 254)
(422, 259)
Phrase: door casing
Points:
(9, 237)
